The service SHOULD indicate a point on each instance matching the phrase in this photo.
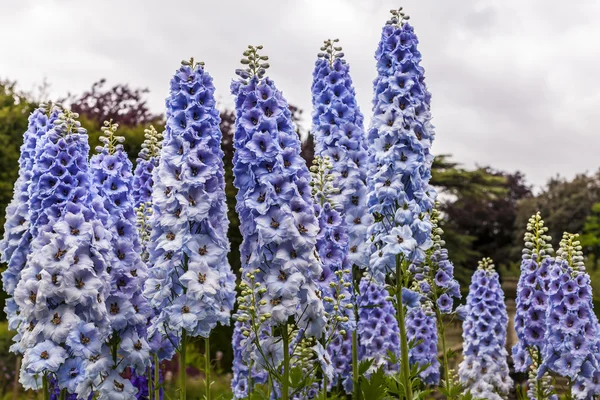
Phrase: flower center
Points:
(201, 277)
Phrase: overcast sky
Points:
(515, 84)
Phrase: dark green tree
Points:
(590, 238)
(479, 210)
(565, 205)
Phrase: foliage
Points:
(119, 103)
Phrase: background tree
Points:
(479, 209)
(565, 205)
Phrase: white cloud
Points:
(514, 83)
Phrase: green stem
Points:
(149, 379)
(156, 378)
(356, 388)
(207, 368)
(403, 338)
(45, 387)
(63, 394)
(442, 334)
(286, 365)
(325, 384)
(182, 377)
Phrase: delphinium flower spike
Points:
(143, 183)
(484, 369)
(377, 326)
(128, 310)
(339, 135)
(421, 329)
(15, 244)
(190, 282)
(336, 278)
(434, 279)
(277, 220)
(64, 285)
(572, 329)
(400, 137)
(531, 305)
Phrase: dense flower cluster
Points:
(61, 296)
(339, 135)
(190, 281)
(435, 277)
(146, 162)
(572, 328)
(400, 138)
(15, 245)
(336, 278)
(274, 203)
(484, 369)
(377, 327)
(143, 183)
(421, 329)
(532, 300)
(128, 310)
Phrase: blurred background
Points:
(514, 88)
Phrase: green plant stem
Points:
(442, 334)
(182, 377)
(356, 388)
(63, 394)
(156, 378)
(207, 368)
(401, 325)
(286, 365)
(45, 388)
(325, 384)
(149, 379)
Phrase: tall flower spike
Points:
(339, 135)
(531, 289)
(62, 293)
(400, 138)
(276, 210)
(572, 328)
(190, 282)
(145, 164)
(15, 245)
(377, 327)
(336, 277)
(531, 304)
(484, 369)
(421, 329)
(435, 277)
(128, 310)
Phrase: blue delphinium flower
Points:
(531, 304)
(146, 162)
(572, 329)
(377, 327)
(422, 330)
(399, 139)
(15, 244)
(339, 134)
(484, 369)
(335, 281)
(190, 281)
(128, 310)
(143, 183)
(277, 217)
(65, 282)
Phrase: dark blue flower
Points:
(484, 369)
